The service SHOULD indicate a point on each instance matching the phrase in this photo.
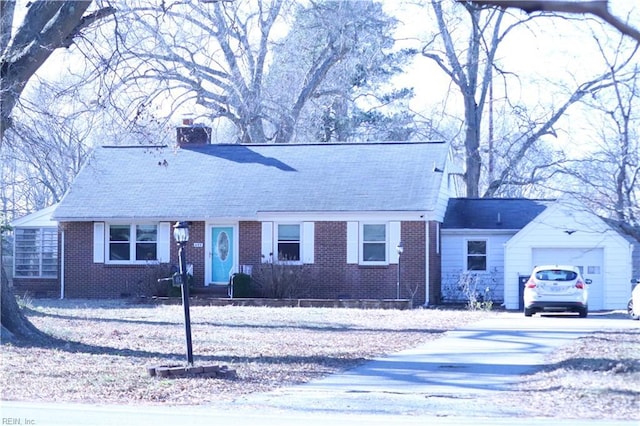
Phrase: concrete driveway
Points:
(456, 375)
(447, 381)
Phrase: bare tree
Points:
(472, 66)
(46, 146)
(222, 61)
(510, 174)
(609, 179)
(471, 75)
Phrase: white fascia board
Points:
(323, 216)
(136, 219)
(39, 219)
(474, 231)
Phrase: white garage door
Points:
(590, 262)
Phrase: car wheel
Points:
(528, 312)
(583, 312)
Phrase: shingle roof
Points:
(237, 181)
(492, 213)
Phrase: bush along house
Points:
(333, 214)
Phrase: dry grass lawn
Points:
(107, 346)
(111, 344)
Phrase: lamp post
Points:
(400, 250)
(181, 235)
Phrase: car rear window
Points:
(556, 275)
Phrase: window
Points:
(556, 275)
(374, 243)
(289, 242)
(36, 252)
(593, 270)
(133, 243)
(476, 255)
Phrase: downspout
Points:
(62, 265)
(632, 272)
(427, 262)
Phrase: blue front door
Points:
(222, 259)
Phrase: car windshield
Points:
(556, 275)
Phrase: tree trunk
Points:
(15, 326)
(47, 25)
(472, 146)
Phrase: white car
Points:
(556, 288)
(633, 308)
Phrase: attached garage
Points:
(566, 233)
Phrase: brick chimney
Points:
(191, 134)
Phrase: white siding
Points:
(617, 272)
(548, 231)
(447, 190)
(454, 260)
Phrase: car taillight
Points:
(531, 283)
(580, 284)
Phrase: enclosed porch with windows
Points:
(35, 255)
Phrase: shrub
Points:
(242, 286)
(475, 290)
(281, 280)
(147, 283)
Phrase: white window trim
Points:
(465, 250)
(132, 244)
(276, 254)
(361, 245)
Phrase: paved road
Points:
(448, 381)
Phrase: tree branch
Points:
(87, 21)
(47, 26)
(598, 8)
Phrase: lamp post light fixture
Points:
(400, 250)
(181, 235)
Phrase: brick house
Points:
(338, 209)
